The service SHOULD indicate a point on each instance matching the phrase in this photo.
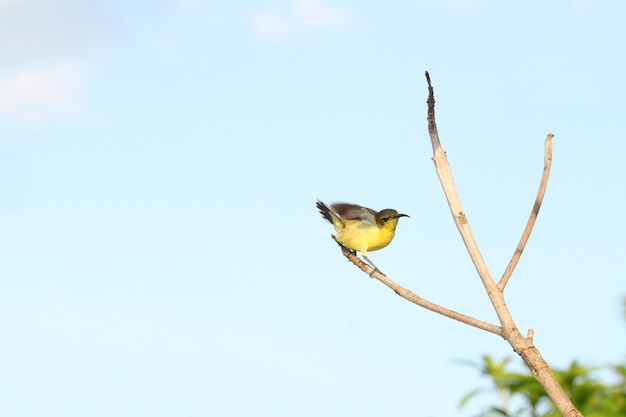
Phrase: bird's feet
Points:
(376, 270)
(370, 263)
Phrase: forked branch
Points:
(521, 345)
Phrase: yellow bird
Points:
(360, 228)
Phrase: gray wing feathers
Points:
(354, 212)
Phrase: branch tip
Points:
(547, 164)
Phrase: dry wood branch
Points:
(454, 202)
(414, 298)
(547, 163)
(521, 345)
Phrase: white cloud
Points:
(46, 49)
(316, 13)
(6, 3)
(304, 16)
(35, 95)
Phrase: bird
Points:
(360, 228)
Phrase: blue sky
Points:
(161, 253)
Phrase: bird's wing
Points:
(354, 212)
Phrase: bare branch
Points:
(454, 202)
(521, 345)
(414, 298)
(547, 163)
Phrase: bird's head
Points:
(388, 217)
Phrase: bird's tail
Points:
(325, 211)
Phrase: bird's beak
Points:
(401, 215)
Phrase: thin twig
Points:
(444, 173)
(414, 298)
(547, 163)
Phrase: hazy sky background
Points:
(160, 250)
